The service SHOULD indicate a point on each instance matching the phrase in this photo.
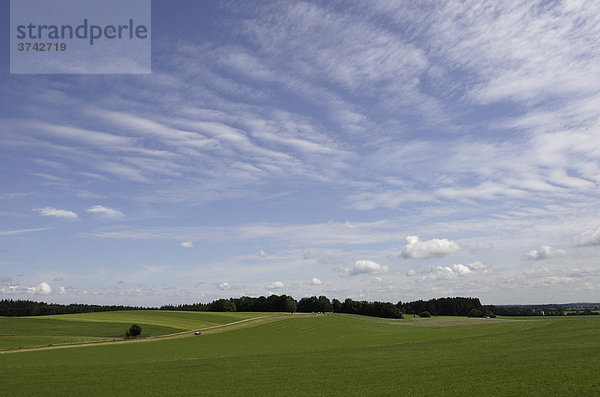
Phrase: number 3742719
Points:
(42, 47)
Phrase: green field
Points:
(321, 355)
(22, 332)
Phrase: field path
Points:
(233, 325)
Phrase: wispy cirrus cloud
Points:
(469, 119)
(317, 234)
(57, 213)
(22, 231)
(105, 212)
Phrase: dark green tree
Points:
(134, 330)
(324, 305)
(222, 305)
(475, 313)
(290, 305)
(337, 305)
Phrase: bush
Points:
(425, 314)
(134, 330)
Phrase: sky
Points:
(375, 150)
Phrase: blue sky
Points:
(381, 151)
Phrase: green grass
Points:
(174, 319)
(330, 355)
(21, 332)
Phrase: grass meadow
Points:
(23, 332)
(309, 355)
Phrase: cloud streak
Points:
(49, 211)
(105, 212)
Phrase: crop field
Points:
(309, 355)
(22, 332)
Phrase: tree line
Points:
(457, 306)
(9, 307)
(450, 306)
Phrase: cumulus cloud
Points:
(589, 237)
(276, 285)
(187, 244)
(477, 265)
(262, 253)
(62, 291)
(10, 289)
(436, 248)
(223, 286)
(364, 267)
(49, 211)
(447, 272)
(545, 252)
(43, 288)
(105, 212)
(452, 272)
(461, 269)
(316, 281)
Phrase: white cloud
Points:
(545, 252)
(224, 286)
(187, 244)
(447, 272)
(589, 237)
(49, 211)
(62, 291)
(451, 272)
(461, 269)
(43, 288)
(477, 265)
(364, 267)
(316, 281)
(436, 248)
(440, 273)
(276, 285)
(359, 69)
(105, 212)
(21, 231)
(10, 289)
